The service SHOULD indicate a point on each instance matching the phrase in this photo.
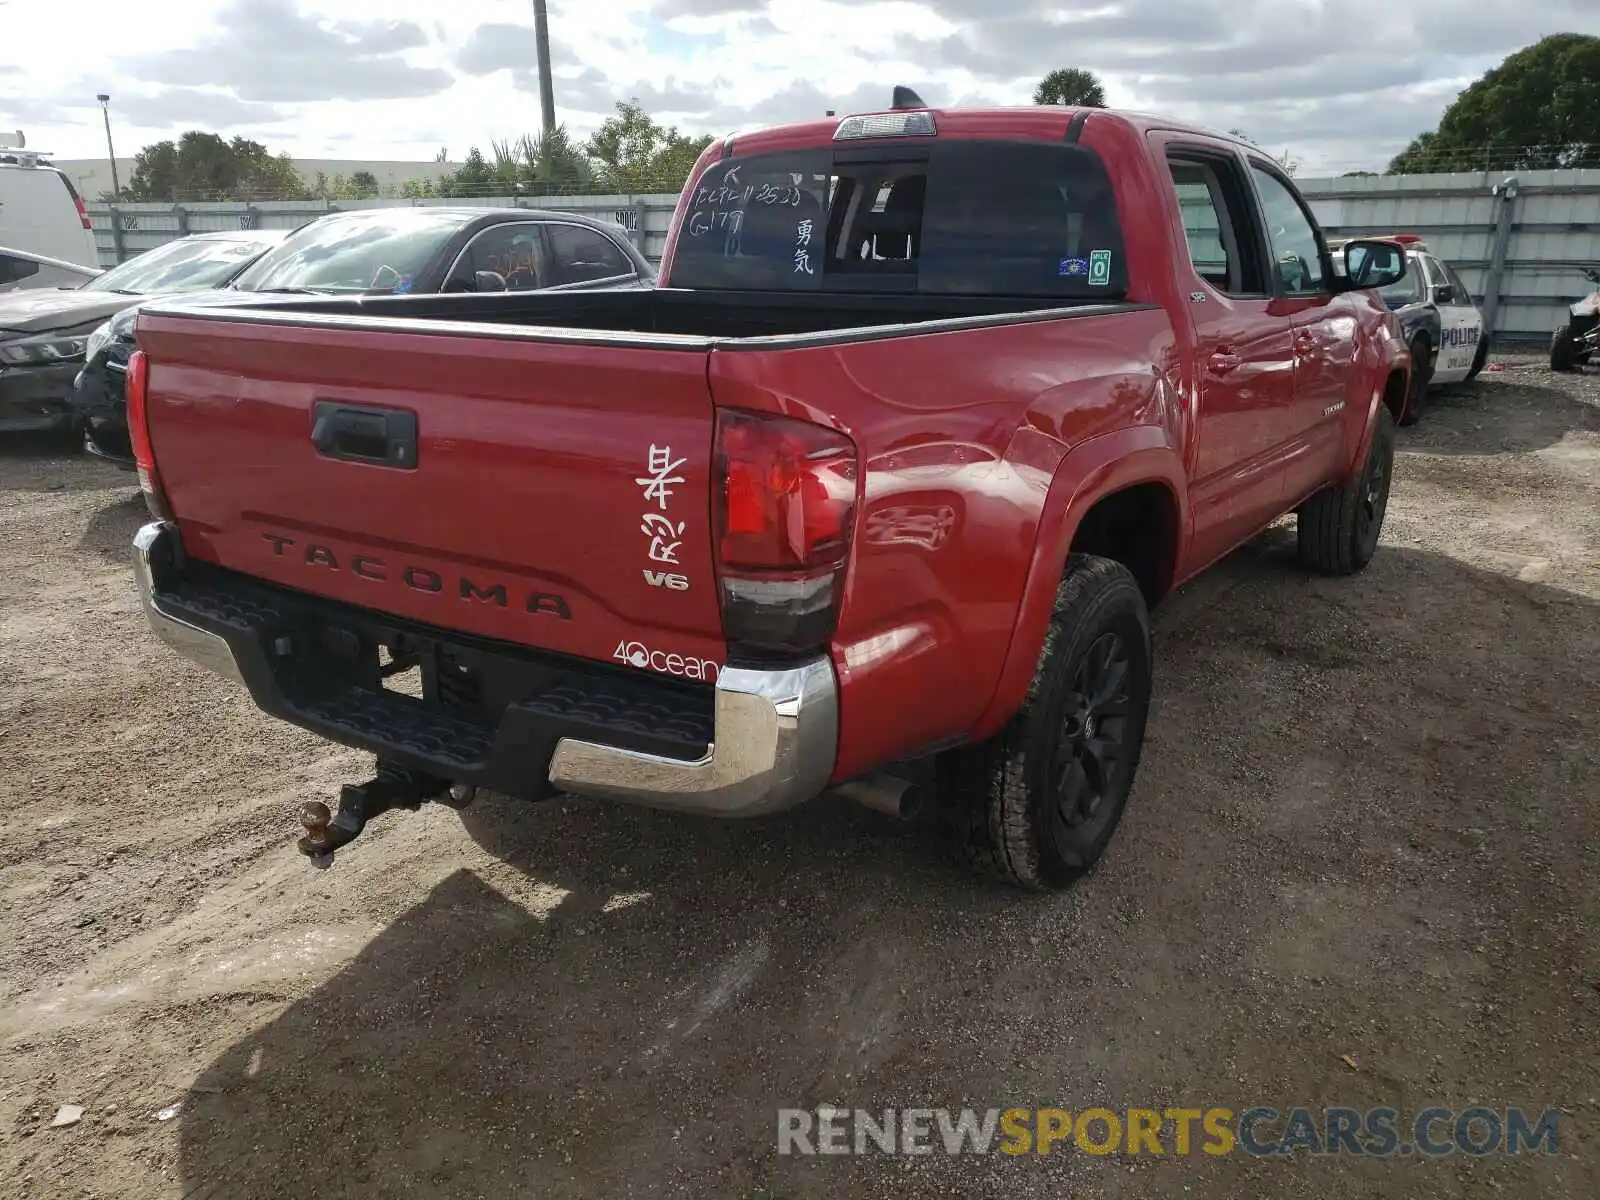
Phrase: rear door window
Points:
(582, 255)
(958, 218)
(1218, 221)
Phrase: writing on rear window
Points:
(964, 218)
(802, 247)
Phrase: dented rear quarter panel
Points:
(962, 436)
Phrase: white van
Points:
(40, 211)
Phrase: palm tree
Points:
(1071, 86)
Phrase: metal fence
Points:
(1519, 241)
(124, 230)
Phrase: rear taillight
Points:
(784, 515)
(136, 396)
(83, 213)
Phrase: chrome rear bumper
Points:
(775, 732)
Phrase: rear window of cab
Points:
(954, 218)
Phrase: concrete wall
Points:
(92, 176)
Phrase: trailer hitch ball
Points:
(316, 817)
(393, 787)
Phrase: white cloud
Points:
(1339, 83)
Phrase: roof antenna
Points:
(904, 97)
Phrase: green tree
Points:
(553, 160)
(202, 166)
(633, 153)
(543, 165)
(363, 185)
(474, 177)
(1071, 86)
(1538, 110)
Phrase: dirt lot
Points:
(1367, 825)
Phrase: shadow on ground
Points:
(1354, 840)
(109, 533)
(1513, 412)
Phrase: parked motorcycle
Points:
(1572, 344)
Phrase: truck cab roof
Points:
(1044, 122)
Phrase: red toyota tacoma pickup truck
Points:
(874, 493)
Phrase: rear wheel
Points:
(1036, 805)
(1421, 374)
(1563, 349)
(1338, 528)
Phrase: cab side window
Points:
(1296, 251)
(514, 251)
(582, 255)
(1217, 222)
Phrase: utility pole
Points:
(547, 91)
(105, 111)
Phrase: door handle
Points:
(1223, 361)
(379, 437)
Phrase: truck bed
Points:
(676, 313)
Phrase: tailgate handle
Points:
(380, 437)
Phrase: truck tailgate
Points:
(555, 493)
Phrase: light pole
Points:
(105, 111)
(547, 93)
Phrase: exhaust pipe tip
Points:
(887, 794)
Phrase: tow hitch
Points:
(392, 787)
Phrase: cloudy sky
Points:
(1340, 84)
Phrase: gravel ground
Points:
(1360, 867)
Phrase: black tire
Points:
(1036, 805)
(1480, 359)
(1422, 359)
(1338, 528)
(1563, 350)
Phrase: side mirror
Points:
(1370, 263)
(488, 281)
(1444, 294)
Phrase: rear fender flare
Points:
(1089, 472)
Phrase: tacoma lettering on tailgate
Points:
(419, 578)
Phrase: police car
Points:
(1442, 325)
